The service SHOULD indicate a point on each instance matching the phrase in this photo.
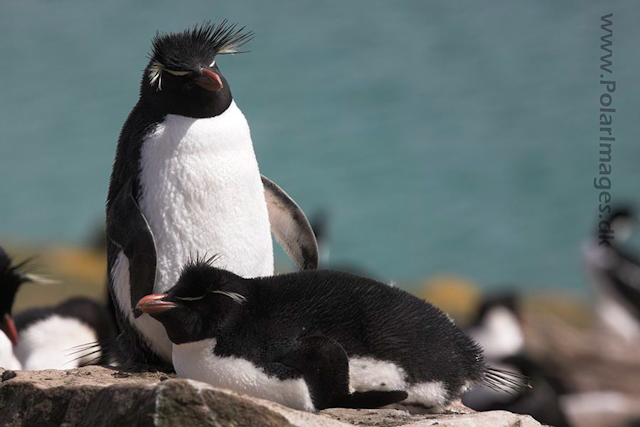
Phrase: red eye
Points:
(201, 308)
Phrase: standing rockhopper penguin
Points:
(185, 182)
(308, 339)
(614, 269)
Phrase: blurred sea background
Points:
(440, 138)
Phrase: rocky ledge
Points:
(98, 396)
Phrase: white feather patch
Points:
(8, 359)
(202, 194)
(196, 361)
(500, 334)
(615, 316)
(367, 373)
(428, 394)
(49, 344)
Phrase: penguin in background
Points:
(497, 327)
(11, 277)
(614, 271)
(74, 333)
(56, 337)
(8, 358)
(185, 182)
(317, 339)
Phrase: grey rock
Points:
(396, 418)
(99, 396)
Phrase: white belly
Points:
(196, 361)
(53, 343)
(7, 358)
(366, 373)
(202, 195)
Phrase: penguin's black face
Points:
(622, 220)
(203, 297)
(508, 301)
(621, 213)
(183, 77)
(10, 280)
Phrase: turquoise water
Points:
(442, 138)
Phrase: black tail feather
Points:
(107, 349)
(506, 381)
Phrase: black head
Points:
(201, 300)
(508, 301)
(183, 77)
(622, 219)
(498, 325)
(11, 277)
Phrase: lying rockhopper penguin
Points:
(317, 339)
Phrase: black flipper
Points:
(290, 226)
(324, 365)
(130, 231)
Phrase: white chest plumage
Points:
(50, 344)
(196, 361)
(7, 358)
(202, 194)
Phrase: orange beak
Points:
(9, 328)
(154, 304)
(209, 80)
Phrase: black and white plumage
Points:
(497, 327)
(186, 181)
(615, 272)
(76, 332)
(11, 278)
(57, 337)
(291, 338)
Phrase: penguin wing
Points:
(290, 226)
(129, 230)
